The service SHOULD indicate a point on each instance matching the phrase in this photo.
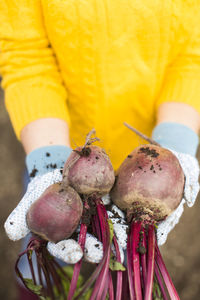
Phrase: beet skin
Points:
(56, 214)
(89, 170)
(151, 181)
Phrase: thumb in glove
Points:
(183, 142)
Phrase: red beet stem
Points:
(55, 278)
(110, 287)
(150, 263)
(143, 257)
(50, 291)
(105, 233)
(102, 221)
(130, 268)
(29, 257)
(96, 227)
(105, 292)
(101, 286)
(125, 289)
(119, 273)
(39, 270)
(135, 228)
(160, 282)
(77, 267)
(165, 275)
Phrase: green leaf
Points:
(30, 252)
(116, 266)
(157, 295)
(111, 229)
(66, 283)
(33, 287)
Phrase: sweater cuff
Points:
(176, 137)
(46, 159)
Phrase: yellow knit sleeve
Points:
(182, 78)
(31, 79)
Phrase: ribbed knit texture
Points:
(99, 63)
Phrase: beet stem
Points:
(166, 277)
(136, 226)
(90, 140)
(105, 291)
(125, 290)
(143, 258)
(150, 263)
(96, 227)
(104, 277)
(142, 135)
(19, 274)
(39, 273)
(101, 282)
(29, 257)
(111, 288)
(53, 273)
(130, 268)
(160, 283)
(106, 247)
(82, 238)
(50, 292)
(119, 273)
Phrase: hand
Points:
(190, 168)
(68, 250)
(16, 226)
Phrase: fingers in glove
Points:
(68, 251)
(190, 168)
(93, 251)
(167, 225)
(15, 225)
(106, 199)
(119, 225)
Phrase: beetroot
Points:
(55, 215)
(89, 170)
(149, 186)
(151, 180)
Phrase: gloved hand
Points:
(183, 142)
(39, 162)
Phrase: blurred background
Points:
(181, 252)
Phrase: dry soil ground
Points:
(181, 252)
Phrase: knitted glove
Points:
(183, 142)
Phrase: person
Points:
(70, 66)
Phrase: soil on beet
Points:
(181, 252)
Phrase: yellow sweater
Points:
(98, 63)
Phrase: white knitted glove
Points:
(16, 227)
(68, 250)
(190, 168)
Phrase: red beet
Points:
(89, 170)
(56, 214)
(152, 180)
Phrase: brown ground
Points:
(181, 252)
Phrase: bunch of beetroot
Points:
(148, 186)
